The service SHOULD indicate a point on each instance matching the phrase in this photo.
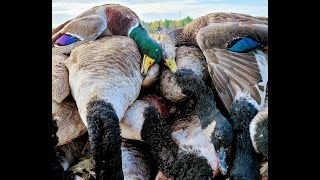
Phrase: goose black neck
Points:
(156, 133)
(245, 165)
(105, 140)
(194, 86)
(189, 166)
(207, 109)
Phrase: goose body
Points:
(104, 79)
(69, 123)
(137, 161)
(234, 48)
(107, 69)
(55, 170)
(106, 20)
(259, 132)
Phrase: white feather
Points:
(75, 35)
(193, 140)
(263, 66)
(136, 25)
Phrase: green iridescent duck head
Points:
(149, 49)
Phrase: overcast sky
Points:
(152, 10)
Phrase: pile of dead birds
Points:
(206, 117)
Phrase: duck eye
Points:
(150, 63)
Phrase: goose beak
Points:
(171, 64)
(146, 63)
(222, 155)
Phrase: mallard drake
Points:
(104, 79)
(188, 84)
(104, 20)
(233, 47)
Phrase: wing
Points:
(234, 73)
(60, 78)
(76, 32)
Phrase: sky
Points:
(151, 10)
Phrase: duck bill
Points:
(222, 155)
(171, 64)
(146, 63)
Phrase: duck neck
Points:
(141, 37)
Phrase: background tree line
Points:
(152, 27)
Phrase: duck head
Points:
(169, 54)
(148, 47)
(151, 54)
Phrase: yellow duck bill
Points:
(146, 63)
(171, 64)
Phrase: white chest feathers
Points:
(193, 140)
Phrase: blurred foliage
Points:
(152, 27)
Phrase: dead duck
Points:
(188, 83)
(104, 80)
(104, 20)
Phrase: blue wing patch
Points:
(244, 44)
(66, 39)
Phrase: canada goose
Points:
(104, 79)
